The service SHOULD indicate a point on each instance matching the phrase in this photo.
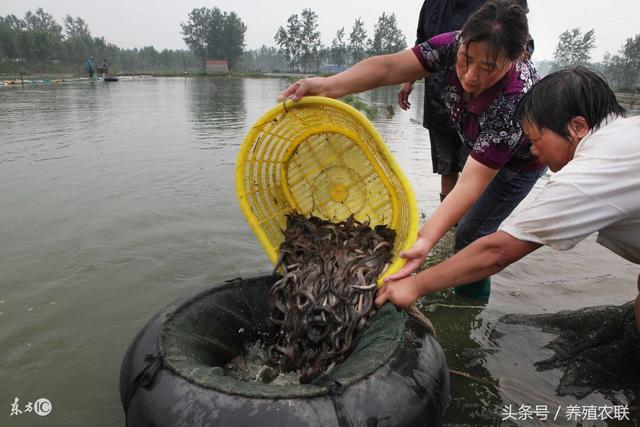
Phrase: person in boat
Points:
(580, 131)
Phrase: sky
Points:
(140, 23)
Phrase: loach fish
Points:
(326, 293)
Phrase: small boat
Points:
(110, 79)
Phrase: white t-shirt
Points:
(599, 190)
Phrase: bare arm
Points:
(368, 74)
(403, 95)
(474, 180)
(482, 258)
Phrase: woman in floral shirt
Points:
(487, 74)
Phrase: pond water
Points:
(118, 198)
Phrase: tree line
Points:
(621, 69)
(299, 41)
(37, 43)
(214, 34)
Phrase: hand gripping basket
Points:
(318, 156)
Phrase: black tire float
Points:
(173, 375)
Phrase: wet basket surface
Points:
(321, 157)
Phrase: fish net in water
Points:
(598, 348)
(327, 291)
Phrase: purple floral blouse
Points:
(485, 123)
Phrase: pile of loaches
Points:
(327, 291)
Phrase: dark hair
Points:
(502, 24)
(559, 97)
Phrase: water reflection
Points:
(41, 123)
(217, 107)
(408, 141)
(385, 98)
(475, 396)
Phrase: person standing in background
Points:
(448, 153)
(90, 67)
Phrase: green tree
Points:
(358, 41)
(623, 69)
(42, 21)
(574, 48)
(387, 37)
(212, 33)
(11, 28)
(75, 27)
(267, 58)
(310, 40)
(338, 52)
(289, 41)
(8, 41)
(26, 46)
(45, 46)
(38, 36)
(5, 33)
(165, 59)
(37, 44)
(233, 32)
(14, 23)
(150, 57)
(78, 43)
(196, 33)
(284, 47)
(215, 41)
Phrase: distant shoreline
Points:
(74, 76)
(630, 101)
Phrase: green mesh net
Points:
(207, 331)
(598, 348)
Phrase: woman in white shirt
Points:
(579, 130)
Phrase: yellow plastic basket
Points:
(318, 156)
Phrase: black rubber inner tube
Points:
(173, 372)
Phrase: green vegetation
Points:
(38, 44)
(213, 34)
(387, 37)
(339, 49)
(622, 70)
(299, 42)
(361, 105)
(574, 48)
